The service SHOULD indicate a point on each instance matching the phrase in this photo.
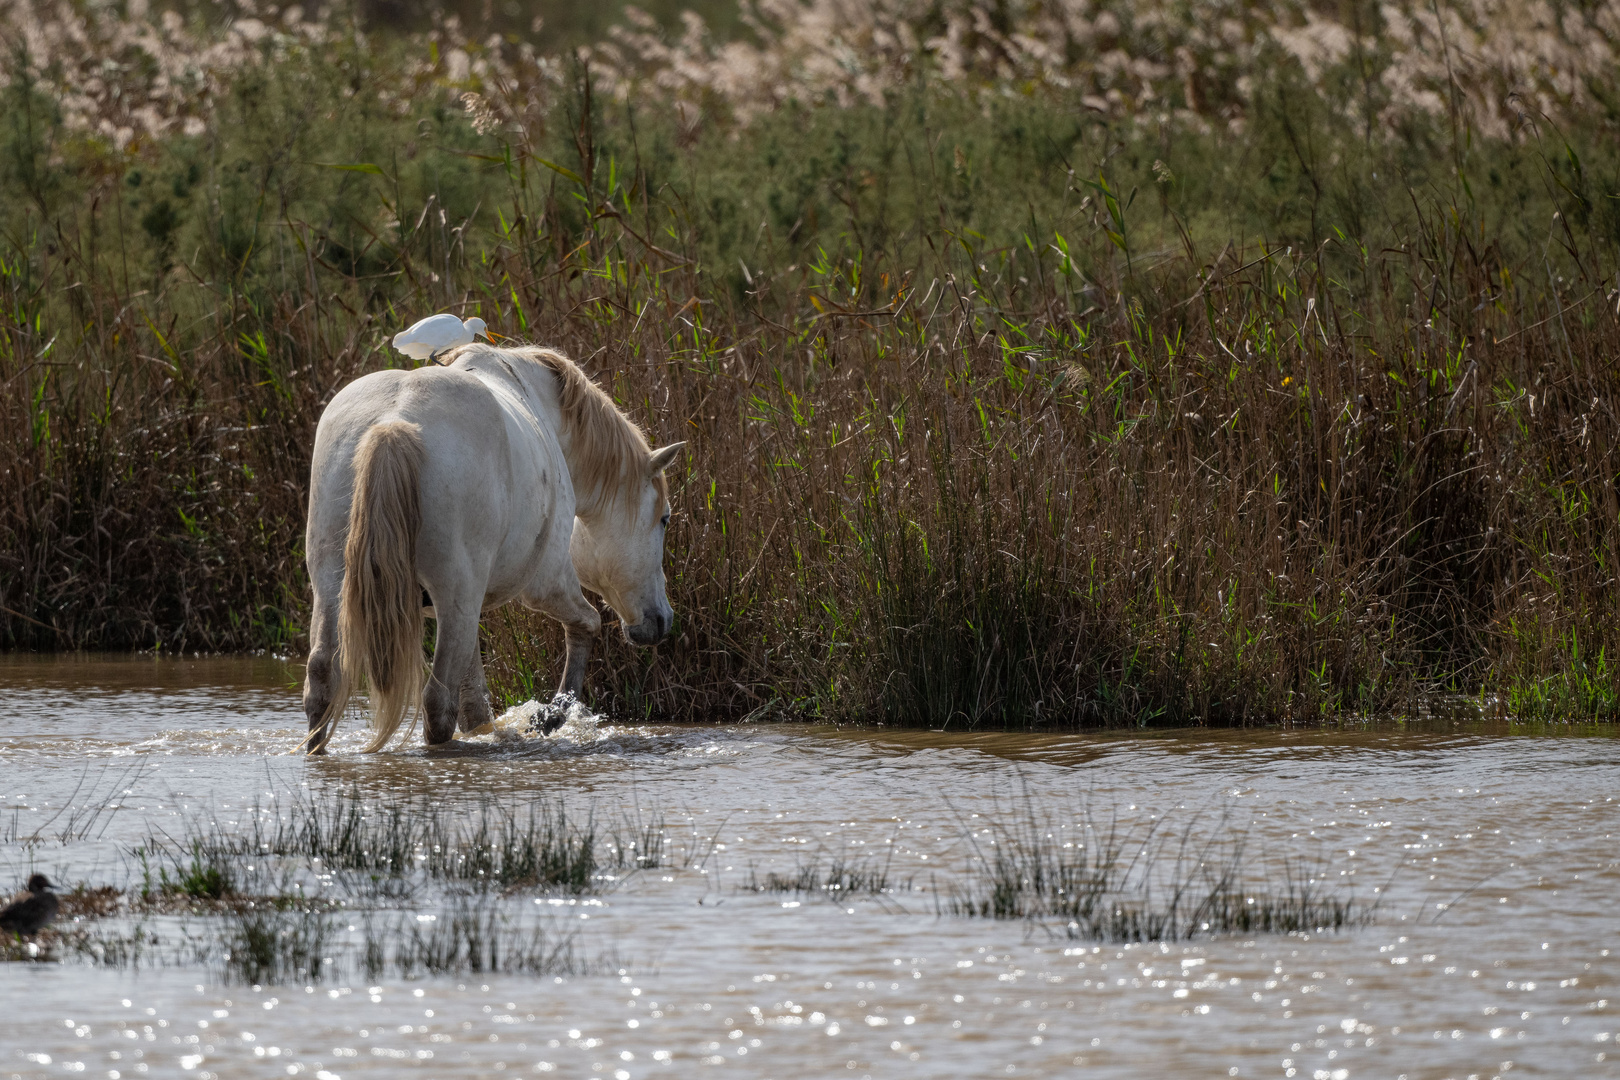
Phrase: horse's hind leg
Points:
(455, 665)
(325, 686)
(475, 711)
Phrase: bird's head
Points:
(475, 327)
(38, 883)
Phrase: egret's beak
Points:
(493, 336)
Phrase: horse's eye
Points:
(665, 521)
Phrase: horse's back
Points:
(460, 423)
(485, 474)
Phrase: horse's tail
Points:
(380, 617)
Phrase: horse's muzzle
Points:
(651, 629)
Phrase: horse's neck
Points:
(589, 499)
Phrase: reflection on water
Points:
(1493, 855)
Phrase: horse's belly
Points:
(522, 556)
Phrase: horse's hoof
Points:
(552, 714)
(546, 723)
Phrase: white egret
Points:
(435, 334)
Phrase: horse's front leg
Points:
(581, 637)
(565, 602)
(475, 711)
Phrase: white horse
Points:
(446, 491)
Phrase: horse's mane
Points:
(611, 454)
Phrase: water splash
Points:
(563, 718)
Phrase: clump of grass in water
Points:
(270, 945)
(836, 879)
(507, 853)
(201, 872)
(267, 946)
(638, 842)
(545, 849)
(346, 832)
(140, 947)
(137, 948)
(471, 940)
(1144, 887)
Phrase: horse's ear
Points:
(663, 458)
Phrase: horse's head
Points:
(621, 555)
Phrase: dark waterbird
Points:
(29, 914)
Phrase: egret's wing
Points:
(422, 338)
(434, 334)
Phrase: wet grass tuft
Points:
(540, 850)
(200, 871)
(383, 845)
(835, 879)
(1128, 885)
(269, 947)
(472, 940)
(325, 884)
(123, 950)
(287, 944)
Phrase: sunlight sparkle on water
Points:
(1491, 860)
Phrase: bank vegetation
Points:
(1041, 364)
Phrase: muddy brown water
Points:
(1491, 853)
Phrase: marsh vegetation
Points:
(830, 876)
(341, 887)
(1159, 882)
(1039, 368)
